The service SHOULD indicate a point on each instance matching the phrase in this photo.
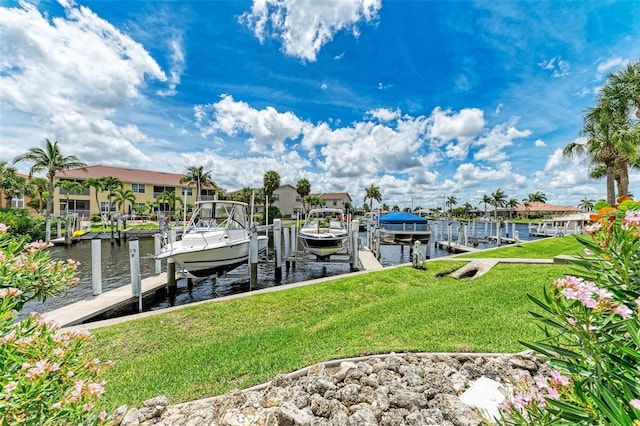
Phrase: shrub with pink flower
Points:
(592, 333)
(48, 376)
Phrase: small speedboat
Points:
(216, 239)
(324, 232)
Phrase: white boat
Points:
(324, 232)
(216, 240)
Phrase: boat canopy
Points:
(401, 217)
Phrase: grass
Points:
(540, 249)
(209, 349)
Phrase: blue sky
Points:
(423, 99)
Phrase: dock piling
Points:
(96, 265)
(171, 276)
(156, 249)
(355, 227)
(294, 242)
(253, 259)
(287, 252)
(277, 244)
(134, 262)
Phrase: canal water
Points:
(116, 270)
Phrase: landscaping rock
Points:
(391, 390)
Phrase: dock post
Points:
(134, 262)
(171, 276)
(96, 265)
(253, 258)
(485, 230)
(67, 236)
(498, 233)
(513, 229)
(450, 234)
(287, 252)
(119, 229)
(156, 251)
(416, 258)
(294, 242)
(59, 227)
(516, 235)
(466, 233)
(377, 232)
(355, 226)
(428, 248)
(112, 236)
(277, 245)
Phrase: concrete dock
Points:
(455, 247)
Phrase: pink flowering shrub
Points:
(47, 376)
(592, 333)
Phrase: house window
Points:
(104, 206)
(188, 190)
(138, 188)
(335, 203)
(17, 202)
(157, 190)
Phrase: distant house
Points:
(147, 185)
(286, 198)
(338, 200)
(537, 208)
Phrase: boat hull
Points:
(323, 247)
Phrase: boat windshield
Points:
(220, 215)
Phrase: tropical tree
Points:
(303, 188)
(586, 204)
(271, 182)
(527, 206)
(7, 178)
(511, 204)
(196, 175)
(466, 208)
(385, 207)
(37, 192)
(486, 199)
(537, 196)
(170, 198)
(111, 184)
(51, 161)
(69, 186)
(13, 185)
(498, 199)
(451, 201)
(372, 193)
(98, 185)
(313, 201)
(395, 208)
(122, 196)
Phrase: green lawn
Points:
(545, 248)
(209, 349)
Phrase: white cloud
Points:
(493, 143)
(446, 125)
(384, 114)
(177, 60)
(266, 128)
(81, 63)
(559, 67)
(610, 65)
(304, 26)
(469, 174)
(540, 143)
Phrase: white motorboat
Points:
(216, 240)
(324, 232)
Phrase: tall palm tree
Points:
(372, 193)
(170, 198)
(198, 176)
(537, 196)
(303, 188)
(98, 186)
(527, 206)
(122, 196)
(69, 186)
(511, 204)
(51, 161)
(451, 201)
(467, 207)
(498, 199)
(111, 184)
(486, 199)
(271, 182)
(586, 204)
(314, 201)
(7, 179)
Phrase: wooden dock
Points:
(81, 311)
(455, 247)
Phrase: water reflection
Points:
(115, 271)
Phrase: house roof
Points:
(125, 175)
(333, 195)
(537, 206)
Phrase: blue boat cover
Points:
(401, 217)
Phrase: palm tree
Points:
(498, 199)
(7, 179)
(98, 186)
(527, 206)
(537, 196)
(37, 192)
(170, 198)
(486, 199)
(512, 204)
(451, 201)
(69, 186)
(271, 182)
(198, 176)
(586, 204)
(303, 188)
(314, 201)
(372, 193)
(110, 184)
(51, 161)
(467, 207)
(122, 196)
